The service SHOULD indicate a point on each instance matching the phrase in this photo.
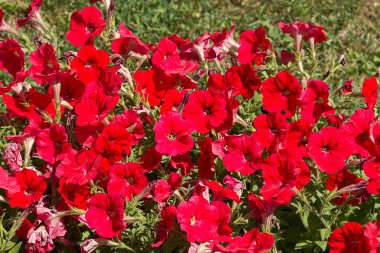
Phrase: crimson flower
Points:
(203, 221)
(372, 232)
(8, 183)
(89, 63)
(249, 80)
(168, 216)
(73, 194)
(281, 174)
(252, 241)
(114, 142)
(127, 180)
(372, 171)
(205, 161)
(173, 134)
(223, 43)
(164, 188)
(349, 239)
(254, 46)
(105, 214)
(128, 44)
(329, 149)
(11, 56)
(205, 111)
(52, 143)
(370, 92)
(130, 120)
(45, 66)
(244, 155)
(298, 136)
(84, 26)
(281, 93)
(358, 128)
(33, 16)
(314, 101)
(261, 209)
(32, 188)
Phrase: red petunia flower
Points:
(370, 92)
(8, 183)
(32, 188)
(358, 128)
(127, 180)
(168, 217)
(151, 159)
(45, 66)
(131, 121)
(249, 80)
(173, 134)
(261, 209)
(89, 63)
(349, 239)
(172, 101)
(314, 101)
(73, 194)
(52, 143)
(4, 26)
(271, 130)
(254, 46)
(205, 111)
(105, 214)
(298, 137)
(33, 16)
(84, 26)
(223, 43)
(164, 188)
(11, 56)
(252, 241)
(329, 149)
(372, 232)
(80, 169)
(281, 174)
(340, 180)
(128, 44)
(12, 156)
(281, 93)
(114, 142)
(287, 57)
(244, 155)
(205, 161)
(203, 221)
(94, 106)
(372, 171)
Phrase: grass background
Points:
(352, 26)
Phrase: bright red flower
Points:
(105, 214)
(205, 161)
(329, 149)
(252, 241)
(221, 193)
(281, 93)
(358, 128)
(8, 183)
(89, 63)
(32, 188)
(73, 194)
(298, 137)
(254, 46)
(94, 106)
(22, 231)
(281, 174)
(131, 121)
(52, 144)
(203, 221)
(11, 56)
(244, 155)
(314, 101)
(80, 169)
(128, 44)
(182, 162)
(261, 209)
(173, 134)
(287, 57)
(4, 27)
(349, 239)
(370, 92)
(372, 232)
(72, 90)
(164, 188)
(305, 30)
(372, 171)
(151, 159)
(271, 130)
(166, 224)
(250, 81)
(172, 100)
(33, 16)
(114, 142)
(127, 180)
(223, 43)
(227, 85)
(205, 111)
(84, 26)
(340, 180)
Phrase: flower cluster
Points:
(214, 144)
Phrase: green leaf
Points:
(16, 248)
(304, 244)
(325, 232)
(322, 244)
